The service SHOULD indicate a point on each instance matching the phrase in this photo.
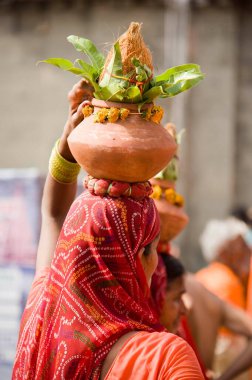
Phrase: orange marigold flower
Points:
(147, 114)
(101, 115)
(157, 192)
(87, 110)
(170, 195)
(157, 114)
(179, 200)
(113, 114)
(124, 113)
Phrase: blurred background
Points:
(215, 155)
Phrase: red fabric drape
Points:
(96, 290)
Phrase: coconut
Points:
(132, 45)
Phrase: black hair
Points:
(147, 249)
(174, 267)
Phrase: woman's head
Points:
(167, 290)
(174, 307)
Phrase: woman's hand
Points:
(77, 97)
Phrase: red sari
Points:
(96, 291)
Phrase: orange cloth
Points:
(223, 282)
(249, 292)
(155, 356)
(249, 302)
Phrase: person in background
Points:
(224, 246)
(206, 313)
(228, 255)
(89, 314)
(244, 214)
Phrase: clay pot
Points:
(131, 150)
(173, 219)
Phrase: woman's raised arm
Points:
(59, 193)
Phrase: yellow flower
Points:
(157, 192)
(170, 195)
(147, 114)
(113, 114)
(101, 115)
(124, 113)
(179, 200)
(87, 110)
(157, 114)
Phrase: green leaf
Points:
(86, 46)
(153, 93)
(170, 172)
(88, 68)
(189, 67)
(62, 63)
(90, 73)
(114, 68)
(181, 85)
(111, 92)
(133, 95)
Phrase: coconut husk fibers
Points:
(132, 45)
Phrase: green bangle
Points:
(61, 170)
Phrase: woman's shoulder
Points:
(156, 355)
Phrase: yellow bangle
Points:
(61, 170)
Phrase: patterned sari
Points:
(96, 291)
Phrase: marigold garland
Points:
(154, 114)
(113, 114)
(169, 194)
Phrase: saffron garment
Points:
(155, 356)
(223, 282)
(249, 292)
(95, 292)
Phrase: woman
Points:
(89, 314)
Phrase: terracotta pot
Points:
(173, 218)
(131, 150)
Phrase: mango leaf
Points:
(164, 77)
(62, 63)
(170, 172)
(114, 68)
(90, 73)
(86, 46)
(133, 95)
(111, 92)
(153, 93)
(65, 65)
(181, 86)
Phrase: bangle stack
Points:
(61, 170)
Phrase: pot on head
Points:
(130, 150)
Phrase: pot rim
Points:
(130, 106)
